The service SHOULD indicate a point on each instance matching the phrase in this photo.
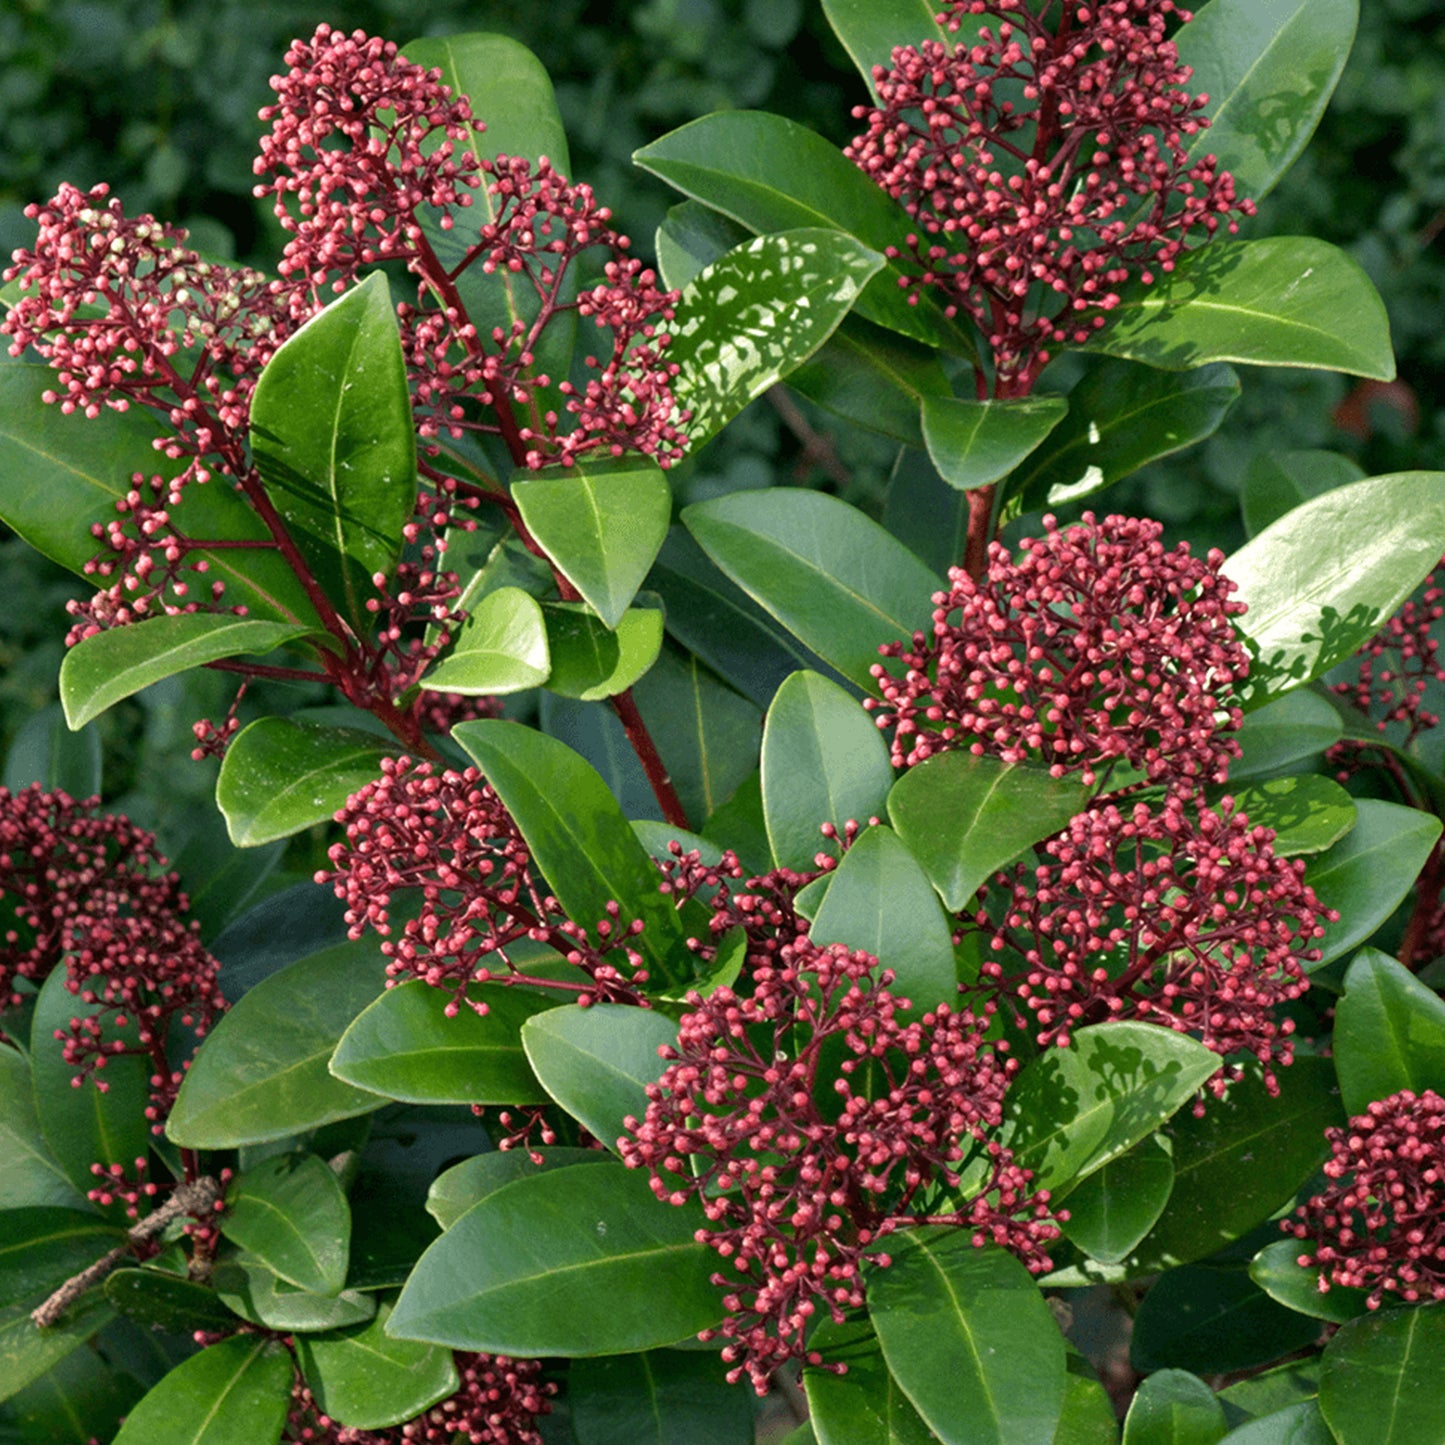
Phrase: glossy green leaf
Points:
(407, 1047)
(45, 751)
(747, 320)
(871, 29)
(500, 648)
(1298, 726)
(1121, 417)
(259, 1296)
(81, 1125)
(968, 1336)
(880, 900)
(964, 817)
(1318, 586)
(770, 174)
(118, 663)
(1074, 1109)
(927, 515)
(576, 833)
(27, 1353)
(1308, 813)
(1301, 1424)
(1273, 1390)
(823, 761)
(1277, 1271)
(1240, 1162)
(1368, 872)
(234, 1393)
(836, 580)
(1269, 68)
(596, 1062)
(167, 1302)
(1112, 1209)
(31, 1176)
(1088, 1417)
(864, 1406)
(81, 1397)
(591, 662)
(280, 777)
(40, 1248)
(601, 522)
(261, 1072)
(455, 1190)
(1174, 1408)
(1213, 1319)
(290, 1215)
(1381, 1379)
(1389, 1033)
(691, 237)
(333, 439)
(365, 1380)
(564, 1263)
(1278, 482)
(1282, 301)
(657, 1397)
(974, 443)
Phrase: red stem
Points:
(647, 754)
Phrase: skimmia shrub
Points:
(672, 939)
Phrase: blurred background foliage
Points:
(159, 98)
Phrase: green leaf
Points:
(1118, 1204)
(365, 1380)
(1389, 1033)
(1301, 1424)
(261, 1072)
(864, 1406)
(1072, 1110)
(41, 1248)
(1269, 68)
(1274, 1390)
(280, 777)
(45, 751)
(1283, 301)
(770, 174)
(576, 833)
(1277, 1271)
(423, 1045)
(455, 1190)
(1213, 1319)
(162, 1301)
(1088, 1417)
(690, 238)
(564, 1263)
(880, 900)
(823, 761)
(234, 1393)
(1121, 417)
(1278, 482)
(871, 29)
(965, 817)
(31, 1175)
(596, 1062)
(1318, 586)
(27, 1353)
(82, 1125)
(259, 1296)
(1307, 813)
(1174, 1408)
(80, 1397)
(500, 648)
(101, 671)
(601, 522)
(658, 1397)
(751, 317)
(968, 1336)
(289, 1213)
(836, 580)
(1298, 726)
(973, 443)
(1381, 1379)
(1369, 871)
(592, 662)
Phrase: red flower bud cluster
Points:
(1097, 646)
(811, 1120)
(88, 888)
(1046, 160)
(1179, 915)
(1379, 1225)
(448, 839)
(498, 1403)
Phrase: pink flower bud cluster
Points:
(1098, 646)
(1178, 914)
(498, 1403)
(1379, 1225)
(809, 1119)
(447, 840)
(87, 890)
(1045, 160)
